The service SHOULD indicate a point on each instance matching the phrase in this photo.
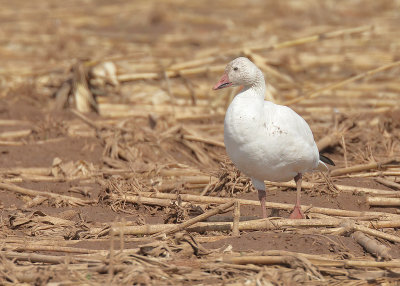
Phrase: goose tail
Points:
(323, 160)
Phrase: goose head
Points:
(240, 71)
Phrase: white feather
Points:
(264, 140)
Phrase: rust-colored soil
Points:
(159, 129)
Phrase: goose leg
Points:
(260, 187)
(262, 194)
(297, 213)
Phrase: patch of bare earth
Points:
(112, 163)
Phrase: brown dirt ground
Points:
(34, 155)
(51, 135)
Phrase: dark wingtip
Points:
(326, 160)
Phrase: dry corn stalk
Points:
(372, 246)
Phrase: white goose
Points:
(264, 140)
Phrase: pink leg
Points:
(297, 213)
(261, 196)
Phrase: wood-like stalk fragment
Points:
(372, 174)
(382, 201)
(11, 143)
(383, 224)
(34, 257)
(261, 224)
(268, 260)
(49, 248)
(388, 183)
(21, 170)
(313, 38)
(263, 260)
(344, 82)
(199, 218)
(219, 200)
(148, 200)
(349, 226)
(15, 134)
(70, 200)
(372, 246)
(343, 188)
(85, 119)
(358, 168)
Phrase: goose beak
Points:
(223, 82)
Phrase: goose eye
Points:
(235, 68)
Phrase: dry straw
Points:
(157, 140)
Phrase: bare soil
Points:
(141, 140)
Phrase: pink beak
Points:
(223, 82)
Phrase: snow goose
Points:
(264, 140)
